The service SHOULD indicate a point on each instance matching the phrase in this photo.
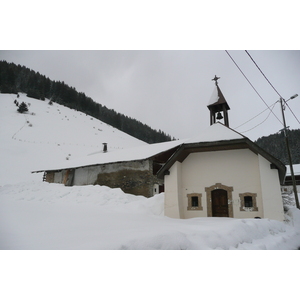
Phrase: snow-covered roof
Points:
(129, 154)
(219, 135)
(217, 98)
(215, 132)
(214, 97)
(296, 169)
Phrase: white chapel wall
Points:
(233, 168)
(238, 169)
(271, 192)
(172, 192)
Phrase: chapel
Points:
(221, 173)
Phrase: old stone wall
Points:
(134, 177)
(135, 182)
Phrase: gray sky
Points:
(170, 90)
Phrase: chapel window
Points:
(194, 201)
(248, 201)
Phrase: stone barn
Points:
(132, 170)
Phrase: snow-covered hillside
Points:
(39, 215)
(48, 135)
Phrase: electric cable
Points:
(271, 85)
(252, 86)
(256, 115)
(292, 112)
(262, 121)
(263, 74)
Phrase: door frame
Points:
(218, 194)
(229, 190)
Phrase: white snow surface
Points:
(215, 132)
(50, 135)
(129, 154)
(296, 169)
(39, 215)
(52, 216)
(214, 96)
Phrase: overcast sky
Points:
(170, 90)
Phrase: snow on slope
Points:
(49, 134)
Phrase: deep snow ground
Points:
(36, 215)
(52, 216)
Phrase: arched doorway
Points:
(219, 200)
(219, 203)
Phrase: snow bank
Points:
(52, 216)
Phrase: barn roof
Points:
(215, 137)
(129, 154)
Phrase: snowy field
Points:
(36, 215)
(52, 216)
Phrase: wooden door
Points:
(219, 202)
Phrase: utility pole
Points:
(282, 102)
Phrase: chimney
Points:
(104, 147)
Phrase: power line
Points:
(262, 121)
(253, 86)
(263, 74)
(256, 116)
(292, 112)
(271, 84)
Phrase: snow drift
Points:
(52, 216)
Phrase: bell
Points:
(219, 116)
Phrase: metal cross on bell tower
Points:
(216, 79)
(218, 105)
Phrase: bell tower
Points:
(218, 106)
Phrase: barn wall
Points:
(86, 175)
(134, 177)
(64, 176)
(58, 176)
(49, 177)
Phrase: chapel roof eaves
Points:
(244, 143)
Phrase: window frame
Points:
(242, 202)
(190, 201)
